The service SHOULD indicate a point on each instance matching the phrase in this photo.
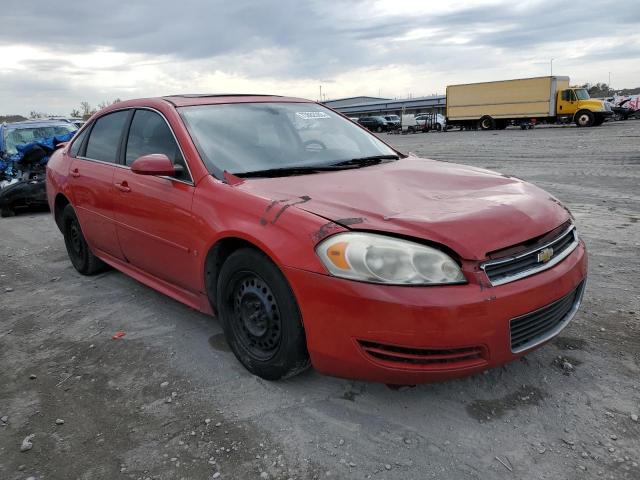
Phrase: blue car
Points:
(25, 148)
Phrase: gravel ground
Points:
(169, 401)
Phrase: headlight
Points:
(376, 258)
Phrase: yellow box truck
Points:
(493, 105)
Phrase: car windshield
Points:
(16, 136)
(252, 137)
(582, 94)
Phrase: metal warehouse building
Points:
(360, 106)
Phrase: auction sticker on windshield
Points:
(312, 115)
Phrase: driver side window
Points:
(149, 133)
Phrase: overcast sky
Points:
(53, 55)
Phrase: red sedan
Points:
(315, 242)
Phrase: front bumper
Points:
(346, 322)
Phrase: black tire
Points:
(81, 256)
(7, 212)
(487, 123)
(438, 127)
(260, 316)
(379, 129)
(584, 118)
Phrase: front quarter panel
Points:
(286, 233)
(591, 105)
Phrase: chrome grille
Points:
(539, 326)
(511, 268)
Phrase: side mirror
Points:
(154, 164)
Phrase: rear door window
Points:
(149, 133)
(104, 139)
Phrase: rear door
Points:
(94, 159)
(154, 223)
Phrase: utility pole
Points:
(609, 84)
(552, 66)
(320, 93)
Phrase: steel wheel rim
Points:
(256, 320)
(583, 119)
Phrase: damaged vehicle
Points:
(315, 242)
(25, 148)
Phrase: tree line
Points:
(85, 111)
(599, 90)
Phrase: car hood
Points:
(592, 104)
(470, 210)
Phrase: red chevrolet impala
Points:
(315, 242)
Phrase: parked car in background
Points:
(375, 124)
(431, 121)
(78, 122)
(25, 148)
(393, 120)
(314, 241)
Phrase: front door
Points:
(567, 102)
(153, 214)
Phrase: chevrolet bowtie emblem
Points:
(545, 255)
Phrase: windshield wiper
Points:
(286, 171)
(307, 169)
(365, 161)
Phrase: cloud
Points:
(149, 47)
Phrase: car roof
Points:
(192, 99)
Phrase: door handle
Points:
(123, 186)
(75, 173)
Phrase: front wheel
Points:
(379, 129)
(584, 118)
(260, 316)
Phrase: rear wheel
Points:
(260, 316)
(83, 260)
(487, 123)
(584, 118)
(7, 212)
(379, 129)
